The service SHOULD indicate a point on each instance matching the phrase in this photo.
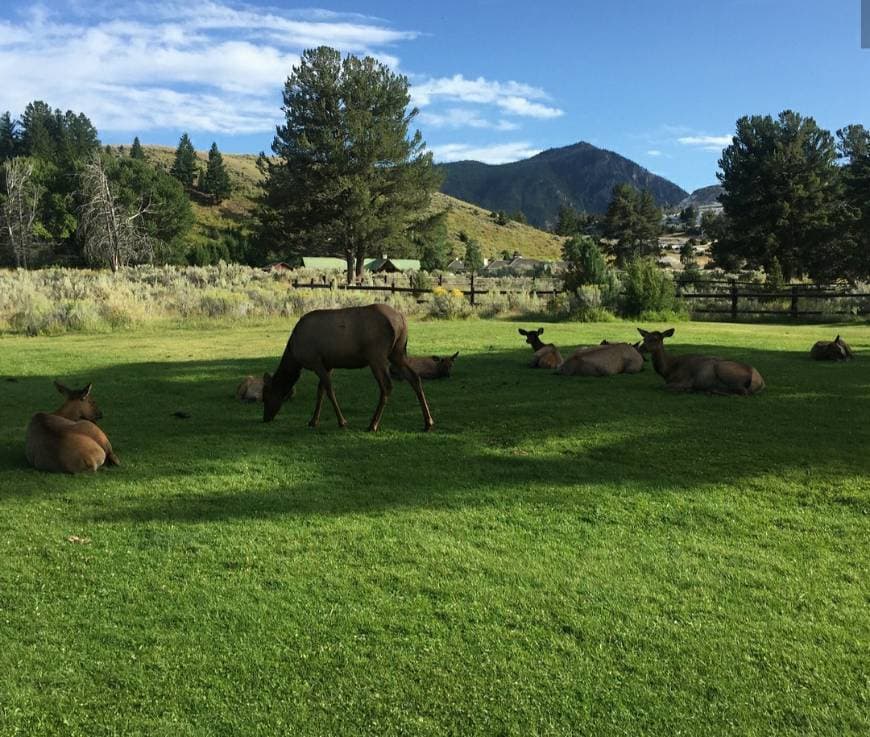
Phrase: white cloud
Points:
(511, 97)
(653, 152)
(706, 143)
(462, 118)
(500, 153)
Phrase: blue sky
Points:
(659, 82)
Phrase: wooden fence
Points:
(731, 298)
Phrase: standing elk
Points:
(606, 359)
(699, 373)
(434, 367)
(67, 440)
(353, 337)
(546, 356)
(831, 350)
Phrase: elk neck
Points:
(661, 361)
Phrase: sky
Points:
(660, 82)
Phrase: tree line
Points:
(65, 199)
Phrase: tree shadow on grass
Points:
(504, 434)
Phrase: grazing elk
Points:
(434, 367)
(546, 356)
(606, 359)
(831, 350)
(250, 390)
(699, 373)
(353, 337)
(67, 440)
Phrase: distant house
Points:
(456, 266)
(391, 265)
(324, 263)
(279, 267)
(499, 266)
(520, 265)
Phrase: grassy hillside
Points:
(461, 216)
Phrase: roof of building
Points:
(324, 263)
(398, 264)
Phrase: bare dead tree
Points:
(111, 234)
(19, 209)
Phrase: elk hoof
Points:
(342, 425)
(312, 424)
(373, 428)
(428, 426)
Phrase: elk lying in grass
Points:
(546, 356)
(699, 373)
(353, 337)
(434, 367)
(67, 440)
(606, 359)
(831, 350)
(250, 390)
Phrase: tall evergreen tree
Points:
(37, 128)
(346, 176)
(783, 194)
(854, 148)
(216, 180)
(8, 137)
(633, 223)
(184, 166)
(136, 151)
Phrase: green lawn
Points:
(561, 556)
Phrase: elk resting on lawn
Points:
(603, 360)
(831, 350)
(353, 337)
(433, 367)
(67, 440)
(699, 373)
(546, 356)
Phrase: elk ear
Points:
(454, 356)
(522, 332)
(837, 339)
(668, 333)
(540, 331)
(61, 388)
(604, 342)
(643, 333)
(86, 391)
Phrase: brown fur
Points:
(699, 373)
(603, 360)
(546, 356)
(831, 350)
(433, 367)
(250, 390)
(354, 337)
(67, 440)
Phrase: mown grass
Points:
(560, 556)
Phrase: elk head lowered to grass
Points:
(546, 354)
(353, 337)
(606, 359)
(831, 350)
(699, 373)
(433, 367)
(67, 440)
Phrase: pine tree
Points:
(346, 176)
(136, 151)
(8, 137)
(216, 180)
(184, 166)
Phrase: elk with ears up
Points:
(428, 369)
(67, 440)
(831, 350)
(699, 373)
(546, 356)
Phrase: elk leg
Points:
(326, 382)
(315, 418)
(413, 378)
(382, 376)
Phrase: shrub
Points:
(647, 289)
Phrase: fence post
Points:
(393, 287)
(472, 289)
(440, 280)
(734, 295)
(793, 310)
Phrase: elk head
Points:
(274, 395)
(533, 337)
(445, 365)
(79, 404)
(652, 339)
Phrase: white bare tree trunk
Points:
(111, 235)
(19, 209)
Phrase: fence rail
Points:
(741, 298)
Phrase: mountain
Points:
(704, 196)
(582, 176)
(462, 217)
